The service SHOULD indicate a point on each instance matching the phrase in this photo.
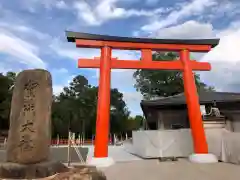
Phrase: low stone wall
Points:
(166, 143)
(231, 147)
(58, 154)
(178, 143)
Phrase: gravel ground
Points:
(178, 170)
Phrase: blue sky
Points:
(32, 35)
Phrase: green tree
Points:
(6, 83)
(71, 108)
(119, 112)
(75, 109)
(134, 123)
(163, 83)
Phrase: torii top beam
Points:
(116, 42)
(146, 45)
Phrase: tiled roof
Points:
(204, 97)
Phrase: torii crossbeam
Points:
(106, 62)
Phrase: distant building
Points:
(219, 110)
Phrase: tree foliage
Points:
(77, 105)
(73, 109)
(6, 84)
(135, 123)
(156, 83)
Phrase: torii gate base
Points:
(106, 63)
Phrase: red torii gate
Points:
(106, 63)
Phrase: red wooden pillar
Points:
(194, 113)
(103, 109)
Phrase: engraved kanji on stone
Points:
(26, 143)
(28, 126)
(29, 89)
(30, 85)
(28, 106)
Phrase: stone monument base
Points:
(49, 171)
(23, 171)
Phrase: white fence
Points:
(178, 143)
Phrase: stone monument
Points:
(29, 134)
(29, 137)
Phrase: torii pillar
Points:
(146, 46)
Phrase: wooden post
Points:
(58, 140)
(195, 118)
(69, 148)
(102, 124)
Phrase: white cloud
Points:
(225, 61)
(227, 50)
(224, 9)
(61, 5)
(34, 5)
(232, 28)
(69, 50)
(23, 29)
(189, 29)
(23, 44)
(57, 89)
(105, 10)
(24, 52)
(195, 7)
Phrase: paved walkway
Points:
(60, 154)
(179, 170)
(130, 167)
(117, 153)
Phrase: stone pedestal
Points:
(23, 171)
(49, 171)
(29, 134)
